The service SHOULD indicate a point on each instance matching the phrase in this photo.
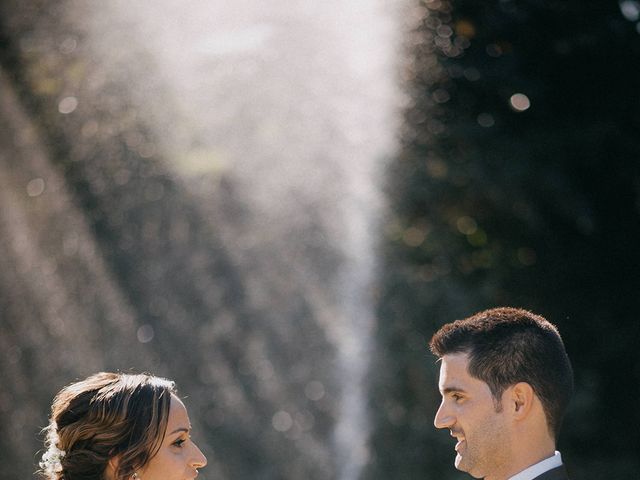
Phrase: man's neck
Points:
(539, 468)
(522, 461)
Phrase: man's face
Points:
(469, 412)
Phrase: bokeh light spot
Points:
(486, 120)
(67, 105)
(444, 31)
(465, 28)
(147, 150)
(122, 177)
(154, 191)
(436, 127)
(630, 9)
(482, 259)
(14, 354)
(314, 390)
(436, 168)
(472, 74)
(35, 187)
(441, 96)
(477, 238)
(493, 50)
(413, 237)
(145, 333)
(519, 102)
(68, 45)
(264, 370)
(282, 421)
(70, 243)
(466, 225)
(90, 128)
(527, 256)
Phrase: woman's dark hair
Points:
(106, 416)
(509, 345)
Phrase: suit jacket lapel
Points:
(558, 473)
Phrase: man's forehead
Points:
(454, 362)
(453, 371)
(455, 377)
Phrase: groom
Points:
(505, 381)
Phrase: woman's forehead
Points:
(178, 417)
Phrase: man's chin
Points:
(463, 467)
(461, 464)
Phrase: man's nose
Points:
(443, 418)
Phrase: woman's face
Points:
(178, 458)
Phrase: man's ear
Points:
(520, 400)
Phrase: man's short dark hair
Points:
(510, 345)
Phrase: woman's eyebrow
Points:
(181, 429)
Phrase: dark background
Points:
(536, 209)
(489, 205)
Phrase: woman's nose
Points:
(199, 460)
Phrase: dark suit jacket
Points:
(554, 474)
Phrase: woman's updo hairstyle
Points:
(106, 416)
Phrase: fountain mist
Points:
(240, 213)
(297, 102)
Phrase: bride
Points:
(115, 426)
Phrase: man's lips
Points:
(461, 440)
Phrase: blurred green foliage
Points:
(518, 183)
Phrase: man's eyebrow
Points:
(453, 389)
(181, 429)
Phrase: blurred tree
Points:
(518, 183)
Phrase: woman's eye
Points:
(179, 442)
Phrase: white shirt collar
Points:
(539, 468)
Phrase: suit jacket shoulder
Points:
(558, 473)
